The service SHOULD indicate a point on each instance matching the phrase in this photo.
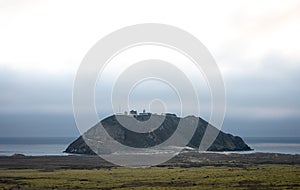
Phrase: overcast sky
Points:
(254, 43)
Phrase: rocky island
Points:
(223, 142)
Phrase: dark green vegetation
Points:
(168, 124)
(187, 170)
(207, 177)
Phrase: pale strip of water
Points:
(56, 145)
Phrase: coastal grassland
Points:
(206, 177)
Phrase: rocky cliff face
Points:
(169, 123)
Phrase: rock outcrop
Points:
(168, 125)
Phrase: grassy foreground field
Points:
(206, 177)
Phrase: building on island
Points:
(133, 112)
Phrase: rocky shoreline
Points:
(185, 159)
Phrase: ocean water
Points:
(34, 146)
(286, 145)
(56, 145)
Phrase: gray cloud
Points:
(270, 86)
(262, 101)
(34, 92)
